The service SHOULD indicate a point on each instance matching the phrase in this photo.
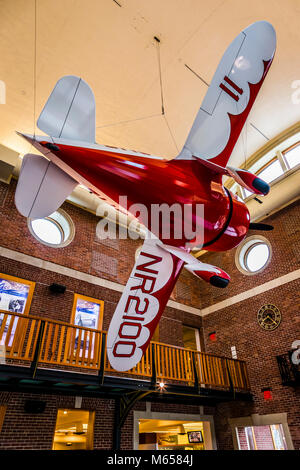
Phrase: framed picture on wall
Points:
(88, 313)
(15, 296)
(195, 437)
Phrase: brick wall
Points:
(237, 325)
(22, 430)
(285, 241)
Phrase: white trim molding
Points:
(65, 271)
(99, 281)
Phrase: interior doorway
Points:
(191, 338)
(160, 434)
(74, 430)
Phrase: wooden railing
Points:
(42, 341)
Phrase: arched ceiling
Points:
(110, 44)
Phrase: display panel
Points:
(15, 296)
(87, 312)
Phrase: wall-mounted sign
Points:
(15, 296)
(88, 313)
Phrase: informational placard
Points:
(88, 313)
(13, 296)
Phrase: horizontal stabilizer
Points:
(207, 272)
(70, 111)
(42, 187)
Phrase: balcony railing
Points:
(41, 343)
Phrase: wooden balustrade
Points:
(28, 338)
(19, 335)
(71, 346)
(173, 363)
(143, 368)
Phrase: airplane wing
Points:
(231, 95)
(141, 305)
(145, 297)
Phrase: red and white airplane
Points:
(193, 177)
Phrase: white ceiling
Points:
(113, 49)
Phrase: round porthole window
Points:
(253, 255)
(56, 231)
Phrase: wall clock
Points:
(269, 317)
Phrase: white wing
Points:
(70, 111)
(42, 187)
(141, 305)
(231, 94)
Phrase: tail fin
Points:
(70, 111)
